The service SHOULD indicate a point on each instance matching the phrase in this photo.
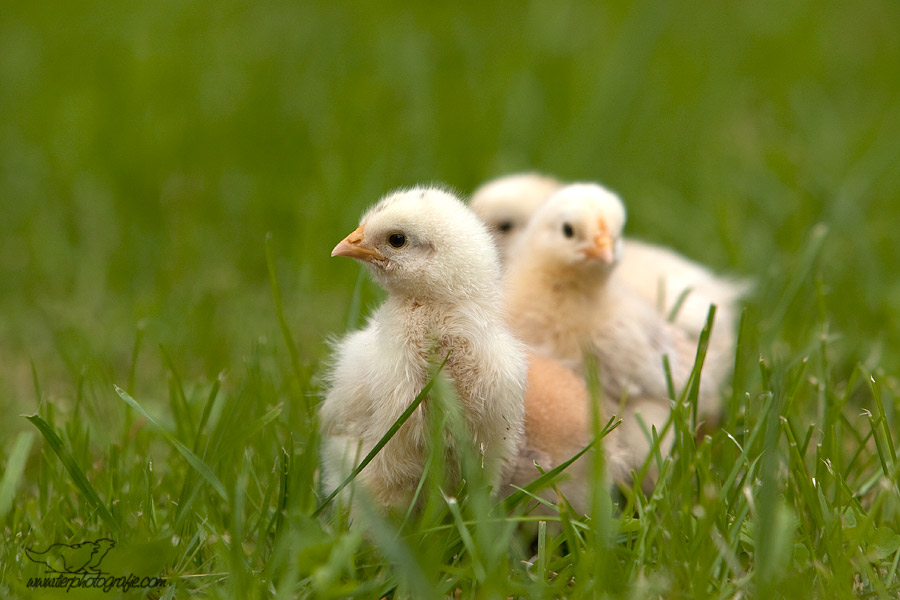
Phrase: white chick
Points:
(658, 274)
(438, 265)
(564, 298)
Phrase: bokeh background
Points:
(148, 148)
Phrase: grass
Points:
(173, 176)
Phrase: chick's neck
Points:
(567, 284)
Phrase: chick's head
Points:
(425, 243)
(579, 226)
(507, 203)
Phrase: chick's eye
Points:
(397, 240)
(505, 226)
(567, 230)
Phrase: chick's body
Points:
(567, 316)
(443, 302)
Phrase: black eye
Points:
(567, 230)
(504, 227)
(397, 240)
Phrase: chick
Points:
(658, 274)
(440, 269)
(565, 298)
(506, 204)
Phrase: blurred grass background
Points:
(148, 148)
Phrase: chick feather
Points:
(440, 269)
(557, 427)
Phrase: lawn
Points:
(174, 175)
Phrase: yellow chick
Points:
(564, 297)
(658, 274)
(440, 269)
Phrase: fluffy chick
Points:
(564, 297)
(658, 274)
(439, 267)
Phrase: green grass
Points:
(174, 175)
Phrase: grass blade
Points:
(135, 352)
(466, 537)
(180, 406)
(355, 309)
(37, 384)
(207, 409)
(15, 466)
(676, 308)
(75, 472)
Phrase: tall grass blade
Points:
(355, 309)
(207, 409)
(36, 382)
(676, 308)
(466, 537)
(135, 351)
(801, 272)
(405, 562)
(75, 472)
(180, 406)
(9, 483)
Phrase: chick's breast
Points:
(373, 382)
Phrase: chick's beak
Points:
(602, 249)
(353, 246)
(603, 245)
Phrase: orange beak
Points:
(603, 245)
(353, 246)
